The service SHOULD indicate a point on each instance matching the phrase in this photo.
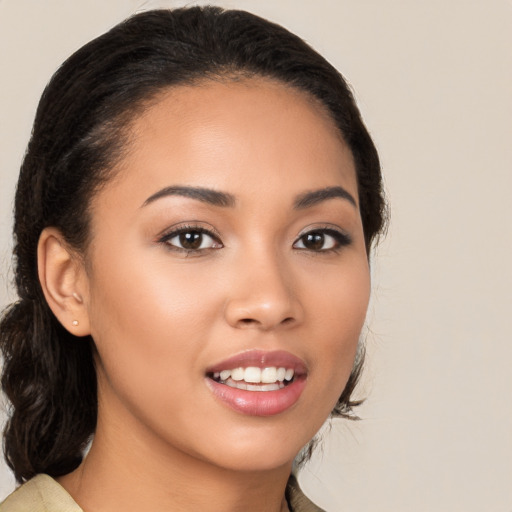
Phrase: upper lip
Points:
(261, 359)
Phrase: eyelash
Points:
(165, 239)
(340, 239)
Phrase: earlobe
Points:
(63, 281)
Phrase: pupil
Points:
(191, 240)
(314, 241)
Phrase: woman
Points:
(193, 222)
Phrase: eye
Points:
(322, 240)
(191, 239)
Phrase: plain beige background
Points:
(434, 82)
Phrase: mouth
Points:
(252, 378)
(258, 383)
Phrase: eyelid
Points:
(322, 226)
(341, 237)
(184, 227)
(190, 225)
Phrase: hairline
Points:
(124, 123)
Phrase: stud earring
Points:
(75, 323)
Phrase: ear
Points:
(64, 281)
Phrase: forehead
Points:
(234, 135)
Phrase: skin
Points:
(160, 317)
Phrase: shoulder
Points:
(297, 500)
(43, 494)
(40, 494)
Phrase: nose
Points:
(263, 296)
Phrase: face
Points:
(227, 275)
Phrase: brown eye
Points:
(322, 240)
(314, 241)
(191, 240)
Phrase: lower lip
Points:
(258, 403)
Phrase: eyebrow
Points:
(314, 197)
(205, 195)
(224, 199)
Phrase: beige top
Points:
(40, 494)
(43, 494)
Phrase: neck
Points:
(127, 471)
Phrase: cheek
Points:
(147, 294)
(147, 321)
(338, 313)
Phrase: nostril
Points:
(251, 322)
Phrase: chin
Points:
(255, 462)
(260, 449)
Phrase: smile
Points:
(253, 378)
(258, 383)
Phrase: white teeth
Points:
(224, 374)
(253, 387)
(255, 375)
(252, 374)
(281, 372)
(237, 374)
(266, 387)
(269, 375)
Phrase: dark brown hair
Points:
(78, 135)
